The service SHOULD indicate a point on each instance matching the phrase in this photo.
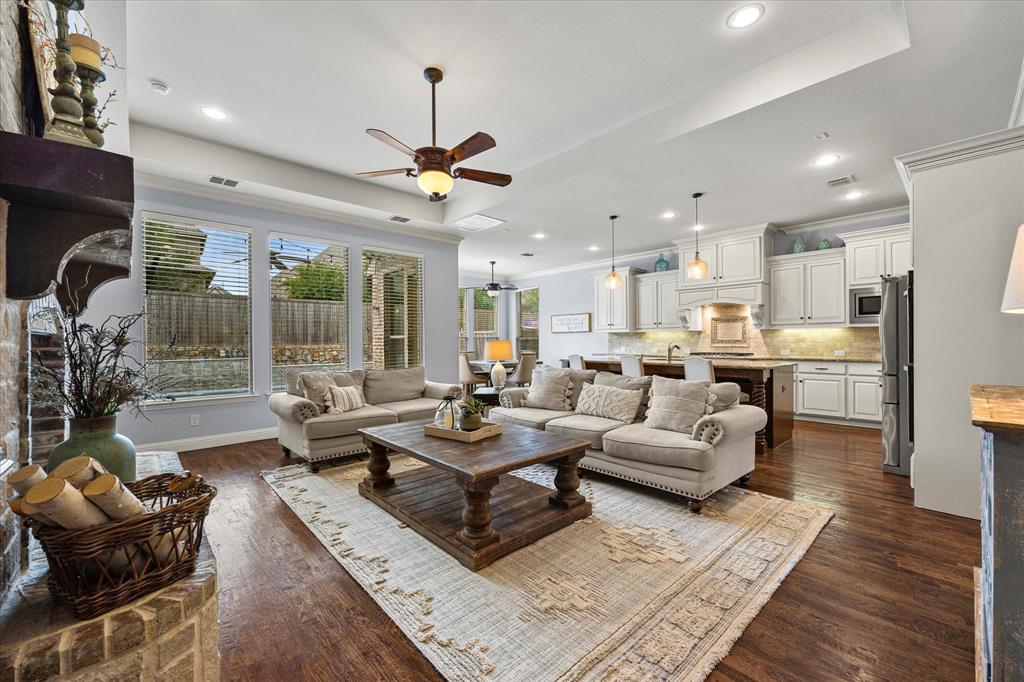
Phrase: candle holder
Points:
(66, 125)
(90, 77)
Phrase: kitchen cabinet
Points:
(733, 257)
(807, 289)
(864, 398)
(615, 309)
(839, 390)
(821, 394)
(878, 252)
(657, 301)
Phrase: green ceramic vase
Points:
(98, 438)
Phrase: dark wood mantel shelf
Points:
(69, 218)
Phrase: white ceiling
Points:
(596, 107)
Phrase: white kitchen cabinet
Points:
(865, 262)
(864, 398)
(733, 257)
(615, 309)
(647, 305)
(739, 260)
(668, 303)
(708, 253)
(822, 395)
(657, 302)
(807, 289)
(898, 256)
(878, 252)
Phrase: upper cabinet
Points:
(657, 303)
(733, 257)
(615, 310)
(875, 253)
(807, 289)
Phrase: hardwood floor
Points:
(885, 593)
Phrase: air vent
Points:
(839, 182)
(526, 255)
(398, 219)
(477, 222)
(226, 182)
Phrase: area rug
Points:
(641, 590)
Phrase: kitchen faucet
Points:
(672, 347)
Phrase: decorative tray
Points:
(487, 429)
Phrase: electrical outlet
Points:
(784, 352)
(839, 353)
(193, 420)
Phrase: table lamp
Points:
(1013, 297)
(496, 351)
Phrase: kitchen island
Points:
(769, 383)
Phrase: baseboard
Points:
(840, 422)
(216, 441)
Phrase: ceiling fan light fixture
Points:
(435, 182)
(493, 293)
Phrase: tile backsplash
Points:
(860, 343)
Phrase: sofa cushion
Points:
(411, 410)
(723, 395)
(393, 385)
(658, 446)
(677, 404)
(526, 416)
(314, 387)
(550, 390)
(347, 423)
(579, 379)
(609, 402)
(629, 383)
(583, 427)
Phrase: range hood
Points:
(692, 302)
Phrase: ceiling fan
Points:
(493, 288)
(433, 172)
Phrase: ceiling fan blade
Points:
(509, 287)
(499, 179)
(471, 146)
(392, 171)
(390, 141)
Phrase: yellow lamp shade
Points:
(435, 182)
(495, 351)
(613, 280)
(1013, 295)
(697, 268)
(85, 50)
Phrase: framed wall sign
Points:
(570, 324)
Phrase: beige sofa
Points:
(719, 451)
(392, 396)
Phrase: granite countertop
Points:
(736, 363)
(609, 357)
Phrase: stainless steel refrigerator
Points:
(896, 333)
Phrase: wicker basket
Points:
(98, 569)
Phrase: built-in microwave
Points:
(865, 305)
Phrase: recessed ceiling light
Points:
(855, 194)
(698, 228)
(214, 113)
(539, 235)
(745, 16)
(826, 160)
(668, 215)
(593, 247)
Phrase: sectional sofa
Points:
(719, 450)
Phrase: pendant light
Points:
(613, 280)
(697, 268)
(492, 288)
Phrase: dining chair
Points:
(467, 377)
(576, 362)
(696, 368)
(632, 365)
(524, 370)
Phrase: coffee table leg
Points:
(567, 482)
(377, 467)
(476, 515)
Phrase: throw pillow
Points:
(314, 386)
(579, 378)
(643, 384)
(550, 390)
(340, 399)
(724, 395)
(354, 378)
(677, 404)
(609, 402)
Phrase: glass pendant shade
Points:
(613, 280)
(697, 268)
(435, 182)
(493, 293)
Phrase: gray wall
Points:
(233, 415)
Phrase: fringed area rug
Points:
(641, 590)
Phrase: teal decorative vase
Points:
(824, 244)
(800, 245)
(98, 438)
(661, 265)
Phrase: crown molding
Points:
(897, 213)
(875, 232)
(1017, 111)
(587, 265)
(160, 183)
(980, 146)
(750, 230)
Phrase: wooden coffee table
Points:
(458, 502)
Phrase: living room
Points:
(699, 361)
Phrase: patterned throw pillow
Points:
(677, 404)
(314, 387)
(550, 390)
(609, 402)
(340, 399)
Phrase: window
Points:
(198, 307)
(463, 328)
(528, 321)
(478, 319)
(308, 306)
(392, 309)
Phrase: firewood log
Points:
(61, 501)
(78, 471)
(26, 477)
(109, 494)
(23, 509)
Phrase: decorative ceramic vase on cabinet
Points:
(98, 438)
(661, 265)
(800, 245)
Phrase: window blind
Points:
(528, 320)
(392, 309)
(198, 305)
(308, 306)
(464, 294)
